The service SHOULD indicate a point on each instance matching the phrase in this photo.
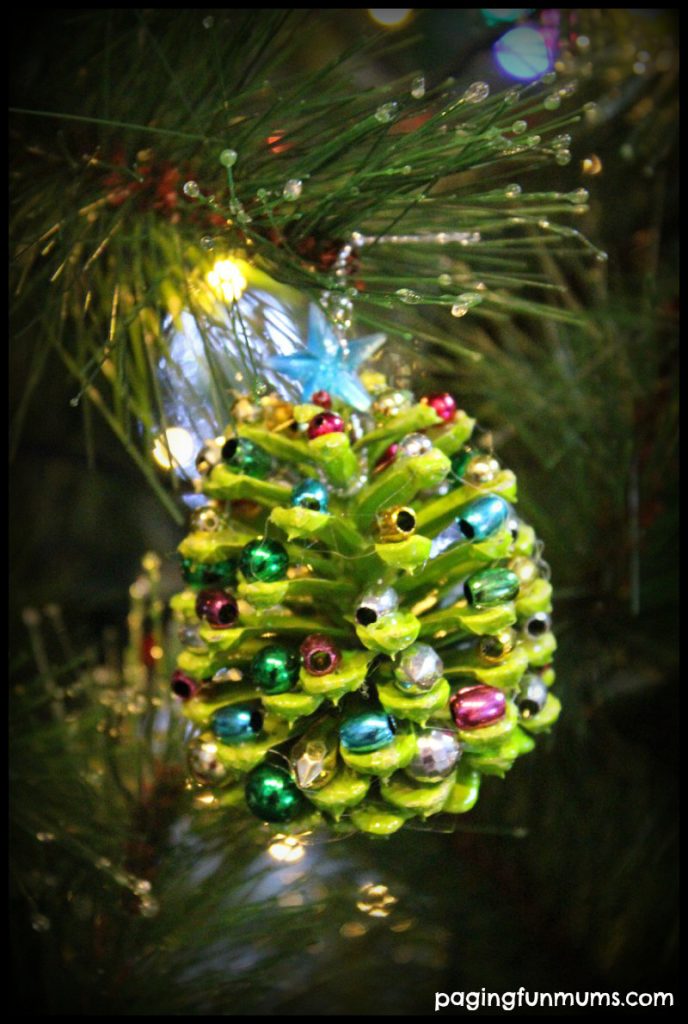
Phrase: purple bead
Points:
(184, 686)
(217, 607)
(473, 707)
(320, 655)
(325, 423)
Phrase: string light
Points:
(388, 18)
(227, 280)
(174, 447)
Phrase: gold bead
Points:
(395, 524)
(278, 414)
(526, 569)
(210, 455)
(246, 411)
(481, 469)
(391, 403)
(209, 518)
(493, 649)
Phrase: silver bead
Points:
(204, 765)
(437, 754)
(418, 670)
(532, 695)
(375, 603)
(190, 638)
(413, 445)
(537, 624)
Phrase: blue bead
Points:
(366, 732)
(310, 494)
(237, 723)
(483, 517)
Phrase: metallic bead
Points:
(322, 398)
(238, 723)
(207, 518)
(313, 758)
(473, 707)
(247, 458)
(204, 764)
(320, 655)
(275, 669)
(209, 456)
(537, 624)
(413, 445)
(190, 637)
(387, 458)
(183, 685)
(392, 402)
(532, 695)
(374, 603)
(513, 525)
(202, 574)
(418, 670)
(494, 649)
(490, 587)
(444, 405)
(367, 732)
(272, 795)
(473, 467)
(245, 410)
(325, 423)
(395, 524)
(218, 608)
(526, 569)
(437, 754)
(276, 412)
(481, 518)
(310, 494)
(265, 561)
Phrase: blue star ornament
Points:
(328, 364)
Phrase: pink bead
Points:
(473, 707)
(443, 404)
(184, 686)
(218, 608)
(388, 456)
(320, 655)
(322, 398)
(326, 423)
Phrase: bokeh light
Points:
(523, 54)
(390, 18)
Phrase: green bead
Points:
(198, 574)
(264, 560)
(275, 669)
(272, 794)
(490, 587)
(245, 457)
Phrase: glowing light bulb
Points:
(174, 447)
(286, 849)
(227, 280)
(388, 18)
(523, 54)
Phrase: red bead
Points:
(184, 686)
(322, 398)
(473, 707)
(387, 458)
(325, 423)
(320, 655)
(443, 404)
(217, 607)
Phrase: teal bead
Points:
(198, 574)
(272, 795)
(237, 723)
(310, 494)
(264, 561)
(490, 587)
(367, 732)
(275, 669)
(481, 518)
(243, 456)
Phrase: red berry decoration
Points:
(387, 458)
(473, 707)
(320, 655)
(218, 608)
(443, 404)
(325, 423)
(322, 398)
(183, 685)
